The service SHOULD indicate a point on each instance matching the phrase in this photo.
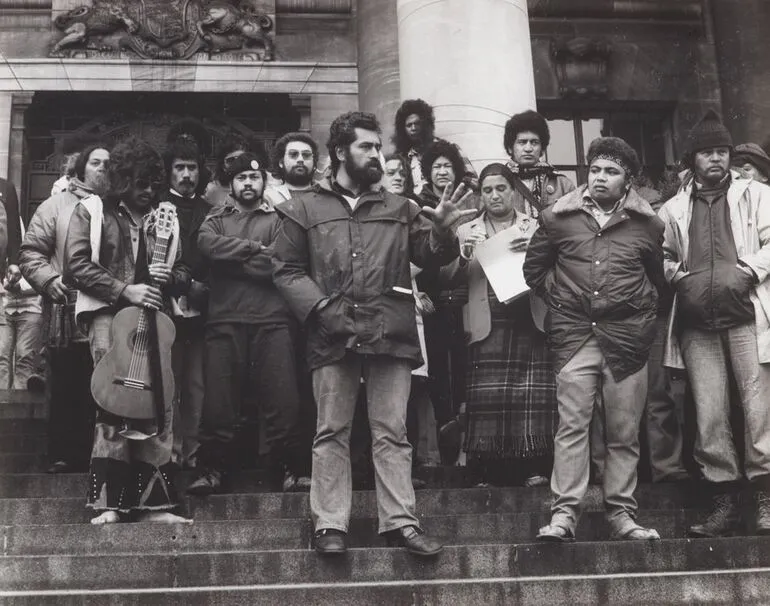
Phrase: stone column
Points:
(378, 81)
(6, 102)
(740, 31)
(21, 101)
(473, 62)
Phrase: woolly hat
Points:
(246, 161)
(709, 132)
(526, 121)
(753, 154)
(616, 150)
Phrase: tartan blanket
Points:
(511, 390)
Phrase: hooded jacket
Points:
(749, 208)
(357, 263)
(598, 281)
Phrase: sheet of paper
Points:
(502, 267)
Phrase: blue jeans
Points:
(21, 343)
(709, 356)
(583, 379)
(336, 387)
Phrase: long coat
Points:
(357, 261)
(749, 204)
(598, 281)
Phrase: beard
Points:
(247, 201)
(363, 176)
(99, 183)
(298, 179)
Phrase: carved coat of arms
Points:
(166, 29)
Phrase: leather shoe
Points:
(415, 541)
(329, 541)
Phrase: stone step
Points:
(22, 426)
(21, 443)
(11, 463)
(283, 534)
(722, 587)
(21, 404)
(67, 510)
(375, 565)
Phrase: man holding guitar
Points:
(121, 261)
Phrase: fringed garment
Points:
(511, 394)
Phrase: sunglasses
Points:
(144, 183)
(294, 154)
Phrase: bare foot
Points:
(107, 517)
(163, 517)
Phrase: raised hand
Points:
(449, 212)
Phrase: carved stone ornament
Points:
(581, 67)
(166, 29)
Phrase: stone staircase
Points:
(252, 547)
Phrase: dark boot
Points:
(762, 512)
(724, 519)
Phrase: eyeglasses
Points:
(144, 183)
(294, 154)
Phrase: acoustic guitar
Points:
(134, 378)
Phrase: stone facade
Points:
(336, 55)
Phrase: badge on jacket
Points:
(550, 188)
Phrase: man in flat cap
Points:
(597, 260)
(717, 256)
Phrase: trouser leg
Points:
(388, 382)
(624, 402)
(335, 387)
(29, 345)
(706, 361)
(577, 387)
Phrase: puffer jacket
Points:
(357, 261)
(599, 281)
(116, 269)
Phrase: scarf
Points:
(538, 174)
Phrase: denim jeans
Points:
(21, 343)
(709, 357)
(336, 388)
(584, 378)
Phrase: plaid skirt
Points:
(511, 405)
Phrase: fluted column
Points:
(473, 62)
(378, 80)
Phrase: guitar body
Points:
(122, 382)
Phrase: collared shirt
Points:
(134, 227)
(602, 216)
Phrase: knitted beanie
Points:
(616, 150)
(708, 133)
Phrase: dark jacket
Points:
(10, 236)
(116, 269)
(238, 246)
(358, 263)
(599, 281)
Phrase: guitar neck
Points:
(160, 251)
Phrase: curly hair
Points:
(526, 121)
(408, 182)
(79, 167)
(448, 150)
(400, 139)
(130, 158)
(343, 132)
(279, 150)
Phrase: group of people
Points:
(295, 297)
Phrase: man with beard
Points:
(184, 163)
(250, 352)
(294, 162)
(41, 259)
(131, 472)
(717, 257)
(342, 263)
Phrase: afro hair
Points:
(526, 121)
